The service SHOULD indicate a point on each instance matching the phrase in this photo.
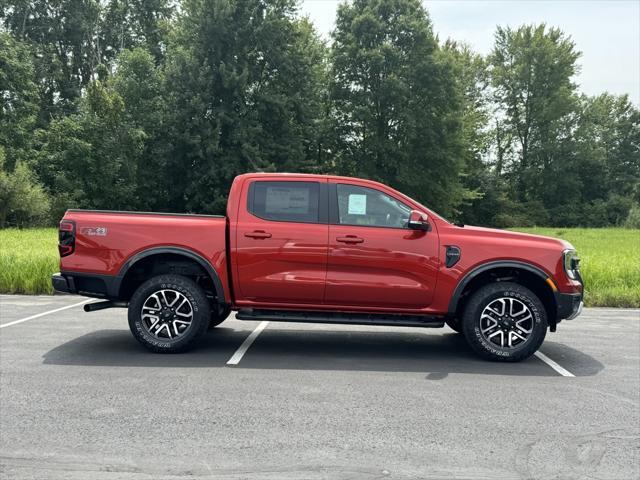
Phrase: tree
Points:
(18, 100)
(62, 35)
(485, 192)
(532, 70)
(395, 102)
(71, 39)
(23, 201)
(243, 81)
(242, 90)
(608, 135)
(607, 158)
(157, 105)
(127, 25)
(90, 160)
(139, 82)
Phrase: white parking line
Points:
(236, 357)
(562, 371)
(32, 317)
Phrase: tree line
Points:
(157, 105)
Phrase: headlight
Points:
(571, 263)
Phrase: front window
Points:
(369, 207)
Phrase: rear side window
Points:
(285, 201)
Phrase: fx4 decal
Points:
(94, 231)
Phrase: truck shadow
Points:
(436, 355)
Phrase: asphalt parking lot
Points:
(81, 399)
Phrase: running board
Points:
(340, 318)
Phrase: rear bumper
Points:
(61, 284)
(89, 285)
(569, 305)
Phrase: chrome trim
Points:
(577, 312)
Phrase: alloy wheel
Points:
(506, 322)
(167, 314)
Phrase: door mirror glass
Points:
(418, 221)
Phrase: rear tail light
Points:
(67, 237)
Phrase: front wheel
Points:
(168, 313)
(504, 322)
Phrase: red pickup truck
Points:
(326, 249)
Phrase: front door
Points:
(375, 260)
(281, 242)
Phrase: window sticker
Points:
(357, 204)
(287, 200)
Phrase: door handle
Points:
(258, 234)
(350, 239)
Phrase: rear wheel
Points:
(504, 322)
(168, 313)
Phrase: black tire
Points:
(454, 324)
(186, 336)
(219, 314)
(509, 294)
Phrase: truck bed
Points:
(107, 241)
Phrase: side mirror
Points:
(418, 221)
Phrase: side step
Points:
(340, 318)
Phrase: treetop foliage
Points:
(157, 105)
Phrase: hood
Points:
(514, 237)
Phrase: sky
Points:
(606, 32)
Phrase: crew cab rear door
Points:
(281, 241)
(375, 260)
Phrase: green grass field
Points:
(27, 260)
(610, 261)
